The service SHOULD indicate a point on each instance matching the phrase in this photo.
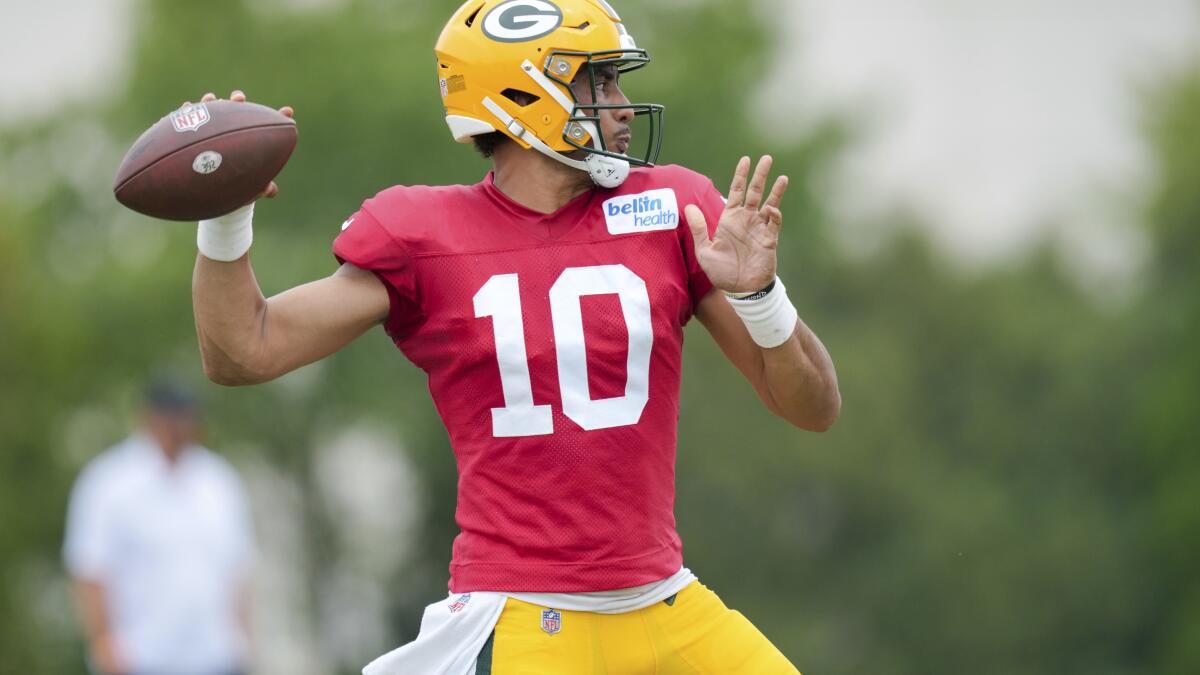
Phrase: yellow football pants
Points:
(693, 633)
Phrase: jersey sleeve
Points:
(366, 243)
(712, 204)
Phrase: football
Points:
(205, 160)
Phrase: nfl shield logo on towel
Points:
(457, 605)
(551, 621)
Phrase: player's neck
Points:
(536, 181)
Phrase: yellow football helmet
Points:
(492, 48)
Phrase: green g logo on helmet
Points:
(522, 20)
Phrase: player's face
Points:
(614, 122)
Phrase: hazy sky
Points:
(990, 119)
(53, 51)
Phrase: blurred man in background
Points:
(159, 544)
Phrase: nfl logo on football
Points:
(551, 621)
(190, 117)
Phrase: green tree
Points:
(1166, 420)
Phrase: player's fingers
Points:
(208, 97)
(773, 216)
(287, 111)
(775, 199)
(698, 225)
(759, 182)
(737, 188)
(270, 192)
(237, 95)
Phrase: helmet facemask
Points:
(583, 130)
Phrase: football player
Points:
(546, 305)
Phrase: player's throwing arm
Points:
(246, 338)
(209, 161)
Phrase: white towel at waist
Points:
(453, 630)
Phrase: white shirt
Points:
(172, 544)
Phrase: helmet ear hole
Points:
(472, 15)
(521, 98)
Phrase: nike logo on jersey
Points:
(644, 212)
(347, 223)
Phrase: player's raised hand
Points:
(238, 96)
(740, 256)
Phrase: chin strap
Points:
(605, 171)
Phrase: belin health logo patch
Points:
(644, 212)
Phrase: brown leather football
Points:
(205, 160)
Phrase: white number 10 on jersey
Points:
(500, 298)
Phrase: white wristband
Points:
(770, 319)
(227, 238)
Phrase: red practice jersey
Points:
(552, 344)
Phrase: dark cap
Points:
(171, 396)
